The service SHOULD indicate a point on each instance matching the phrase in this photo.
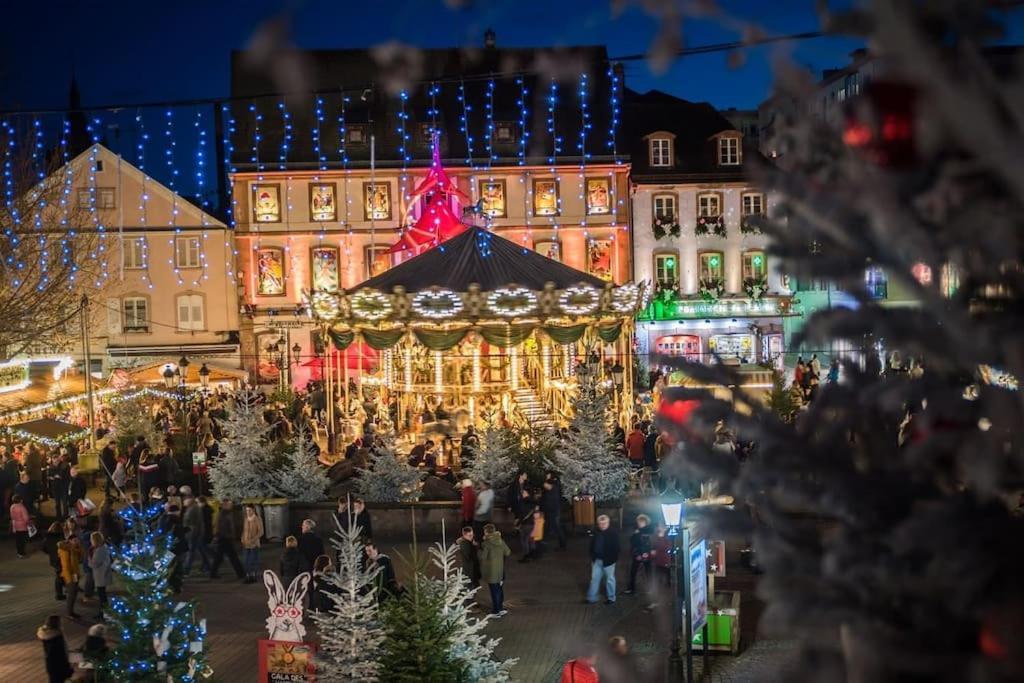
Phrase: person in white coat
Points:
(484, 506)
(102, 567)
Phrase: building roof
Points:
(479, 257)
(463, 77)
(693, 125)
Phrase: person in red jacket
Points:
(635, 446)
(468, 502)
(20, 521)
(581, 669)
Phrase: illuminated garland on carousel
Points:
(371, 304)
(511, 302)
(437, 304)
(580, 300)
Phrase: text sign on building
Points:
(721, 308)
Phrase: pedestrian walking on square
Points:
(27, 491)
(54, 537)
(20, 522)
(468, 502)
(484, 506)
(252, 532)
(661, 550)
(291, 561)
(604, 553)
(60, 474)
(493, 552)
(70, 554)
(551, 506)
(102, 568)
(640, 546)
(470, 554)
(195, 530)
(311, 546)
(224, 538)
(55, 650)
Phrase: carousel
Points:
(472, 330)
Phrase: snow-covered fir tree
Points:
(351, 633)
(302, 477)
(389, 478)
(586, 459)
(245, 466)
(470, 644)
(494, 461)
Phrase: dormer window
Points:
(661, 152)
(729, 151)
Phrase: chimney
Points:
(489, 38)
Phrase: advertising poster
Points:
(282, 662)
(377, 201)
(324, 269)
(492, 192)
(599, 258)
(545, 197)
(698, 586)
(266, 203)
(598, 194)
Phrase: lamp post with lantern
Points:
(617, 378)
(673, 512)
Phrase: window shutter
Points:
(184, 318)
(114, 316)
(197, 312)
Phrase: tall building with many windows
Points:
(322, 182)
(717, 295)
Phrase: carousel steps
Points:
(533, 408)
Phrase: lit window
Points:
(105, 198)
(136, 314)
(755, 265)
(355, 134)
(190, 312)
(753, 204)
(186, 252)
(922, 272)
(504, 132)
(661, 152)
(134, 249)
(728, 151)
(664, 206)
(712, 265)
(666, 270)
(876, 283)
(709, 204)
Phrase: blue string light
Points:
(524, 134)
(99, 256)
(286, 136)
(489, 113)
(140, 163)
(464, 123)
(172, 174)
(204, 202)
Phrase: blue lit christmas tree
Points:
(159, 637)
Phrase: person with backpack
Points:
(582, 669)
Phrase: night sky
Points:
(131, 51)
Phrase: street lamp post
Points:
(673, 510)
(617, 373)
(204, 377)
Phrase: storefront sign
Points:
(698, 586)
(722, 308)
(282, 662)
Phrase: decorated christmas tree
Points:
(157, 638)
(351, 633)
(302, 477)
(495, 460)
(245, 468)
(132, 418)
(586, 459)
(389, 478)
(469, 643)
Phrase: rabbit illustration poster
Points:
(284, 657)
(286, 608)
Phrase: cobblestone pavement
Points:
(546, 623)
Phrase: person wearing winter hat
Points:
(95, 650)
(55, 650)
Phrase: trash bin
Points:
(584, 511)
(275, 518)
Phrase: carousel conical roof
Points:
(478, 256)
